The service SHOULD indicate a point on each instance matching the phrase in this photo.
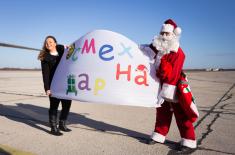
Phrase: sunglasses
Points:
(166, 33)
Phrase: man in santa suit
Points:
(169, 60)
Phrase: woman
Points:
(50, 57)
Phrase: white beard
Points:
(166, 44)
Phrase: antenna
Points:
(18, 46)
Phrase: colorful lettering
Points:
(99, 85)
(84, 84)
(71, 85)
(70, 51)
(76, 50)
(141, 79)
(128, 72)
(91, 46)
(104, 50)
(125, 50)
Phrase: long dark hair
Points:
(44, 50)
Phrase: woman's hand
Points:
(67, 46)
(48, 92)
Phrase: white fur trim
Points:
(158, 137)
(175, 47)
(168, 92)
(189, 143)
(167, 28)
(177, 31)
(193, 106)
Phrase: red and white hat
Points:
(170, 26)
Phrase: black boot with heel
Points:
(63, 127)
(53, 124)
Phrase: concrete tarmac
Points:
(110, 129)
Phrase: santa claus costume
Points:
(169, 59)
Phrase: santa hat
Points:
(170, 26)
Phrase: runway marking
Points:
(8, 150)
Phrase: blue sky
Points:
(208, 26)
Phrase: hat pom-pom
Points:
(177, 31)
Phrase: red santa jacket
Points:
(168, 69)
(169, 72)
(175, 87)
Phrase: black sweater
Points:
(49, 65)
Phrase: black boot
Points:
(54, 129)
(63, 127)
(151, 142)
(184, 149)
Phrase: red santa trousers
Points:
(163, 122)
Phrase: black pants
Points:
(54, 104)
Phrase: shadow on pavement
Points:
(37, 117)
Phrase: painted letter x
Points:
(125, 50)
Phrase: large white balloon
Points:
(106, 67)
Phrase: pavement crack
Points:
(213, 150)
(209, 126)
(209, 129)
(218, 114)
(213, 107)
